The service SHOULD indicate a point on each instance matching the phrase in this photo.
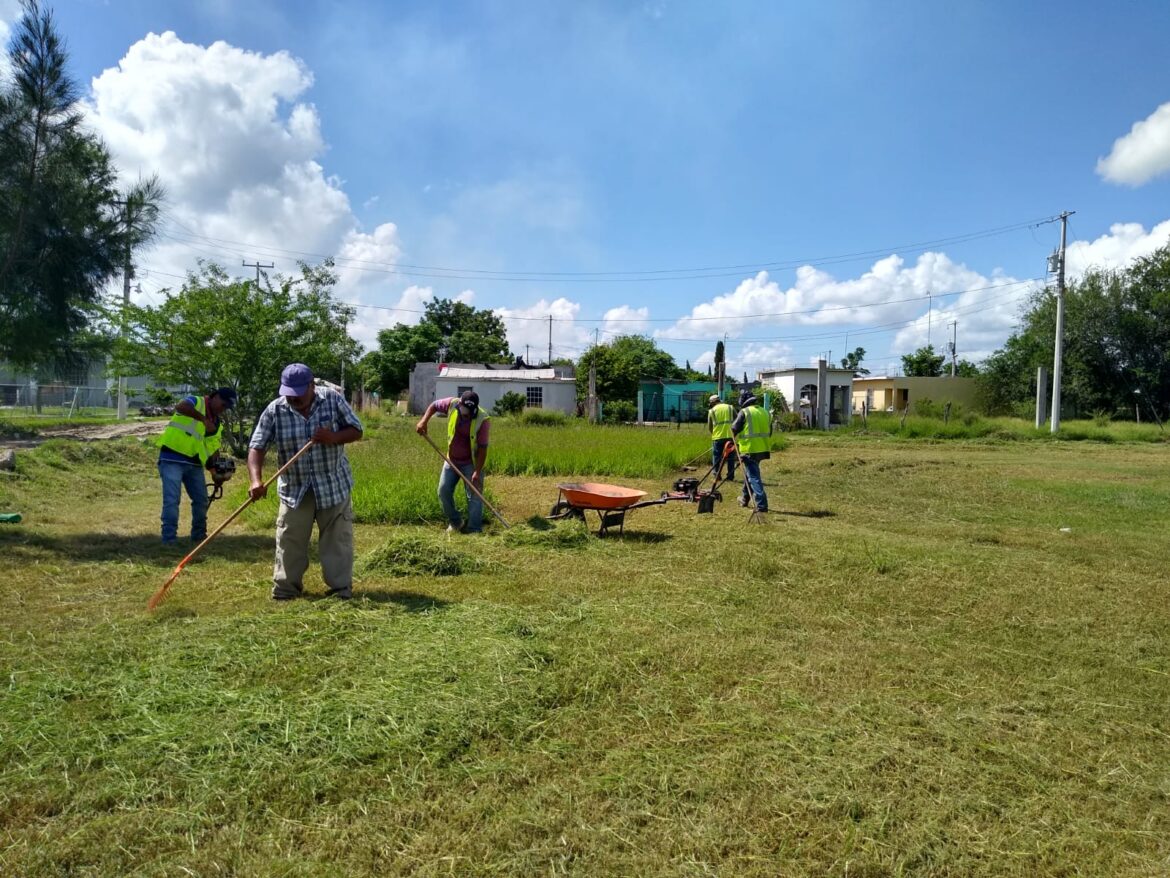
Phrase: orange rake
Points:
(159, 596)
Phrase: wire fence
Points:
(34, 399)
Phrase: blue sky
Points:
(594, 155)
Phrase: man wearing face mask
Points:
(316, 488)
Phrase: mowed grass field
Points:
(933, 659)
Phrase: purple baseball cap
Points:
(295, 380)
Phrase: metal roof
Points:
(502, 374)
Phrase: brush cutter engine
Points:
(222, 470)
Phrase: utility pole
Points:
(258, 266)
(126, 271)
(549, 340)
(345, 338)
(1058, 353)
(954, 324)
(929, 313)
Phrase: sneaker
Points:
(743, 501)
(454, 528)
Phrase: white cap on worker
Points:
(714, 398)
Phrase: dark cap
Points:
(746, 397)
(469, 399)
(295, 380)
(228, 395)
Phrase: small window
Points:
(463, 390)
(534, 397)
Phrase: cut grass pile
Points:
(935, 659)
(540, 533)
(416, 555)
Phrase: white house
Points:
(823, 396)
(541, 388)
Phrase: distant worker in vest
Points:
(719, 418)
(752, 428)
(465, 420)
(189, 445)
(316, 488)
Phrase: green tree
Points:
(217, 330)
(63, 222)
(966, 369)
(923, 363)
(464, 333)
(620, 364)
(511, 403)
(853, 361)
(1117, 332)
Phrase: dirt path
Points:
(88, 433)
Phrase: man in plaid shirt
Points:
(315, 488)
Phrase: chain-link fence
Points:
(34, 399)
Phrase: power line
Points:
(624, 276)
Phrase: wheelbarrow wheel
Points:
(565, 509)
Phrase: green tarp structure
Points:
(676, 400)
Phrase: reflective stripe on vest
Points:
(721, 417)
(184, 435)
(757, 427)
(453, 419)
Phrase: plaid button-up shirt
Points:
(324, 469)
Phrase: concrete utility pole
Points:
(954, 338)
(126, 271)
(1041, 396)
(550, 339)
(1058, 354)
(929, 314)
(258, 266)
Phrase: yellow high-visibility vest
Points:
(453, 419)
(186, 435)
(753, 438)
(720, 418)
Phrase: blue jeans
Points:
(448, 479)
(175, 477)
(751, 476)
(717, 446)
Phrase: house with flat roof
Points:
(552, 387)
(820, 394)
(895, 393)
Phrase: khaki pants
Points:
(294, 527)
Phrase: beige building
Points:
(895, 394)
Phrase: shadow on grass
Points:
(140, 547)
(812, 513)
(410, 601)
(637, 536)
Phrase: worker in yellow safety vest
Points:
(719, 418)
(752, 428)
(188, 445)
(468, 428)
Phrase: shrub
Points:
(159, 396)
(511, 403)
(544, 418)
(619, 412)
(786, 422)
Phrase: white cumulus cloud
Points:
(237, 148)
(1141, 155)
(1124, 243)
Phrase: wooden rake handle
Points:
(466, 480)
(158, 597)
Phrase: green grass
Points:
(934, 659)
(1006, 429)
